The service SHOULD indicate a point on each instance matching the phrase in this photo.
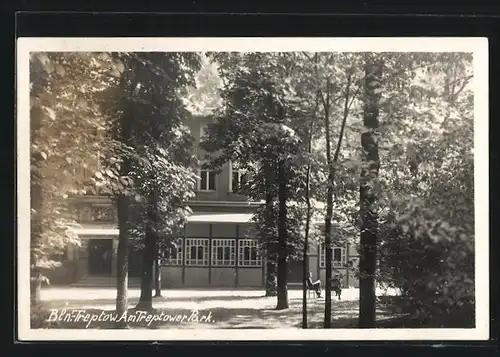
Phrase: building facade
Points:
(218, 248)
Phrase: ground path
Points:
(219, 308)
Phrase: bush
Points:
(435, 278)
(39, 317)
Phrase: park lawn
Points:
(185, 309)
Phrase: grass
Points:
(79, 308)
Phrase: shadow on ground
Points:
(221, 312)
(132, 301)
(252, 316)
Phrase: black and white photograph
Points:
(252, 189)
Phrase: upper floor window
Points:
(206, 182)
(339, 257)
(103, 213)
(239, 177)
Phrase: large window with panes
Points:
(339, 256)
(248, 253)
(196, 252)
(223, 252)
(172, 256)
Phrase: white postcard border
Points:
(479, 48)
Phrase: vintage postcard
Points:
(252, 189)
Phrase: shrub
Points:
(39, 317)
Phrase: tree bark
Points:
(328, 217)
(157, 275)
(282, 239)
(122, 208)
(368, 197)
(36, 203)
(271, 283)
(305, 258)
(36, 241)
(329, 199)
(149, 254)
(328, 250)
(122, 261)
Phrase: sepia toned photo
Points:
(252, 189)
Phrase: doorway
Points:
(100, 256)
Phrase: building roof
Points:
(206, 217)
(201, 217)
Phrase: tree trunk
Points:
(368, 197)
(328, 253)
(122, 208)
(282, 239)
(328, 217)
(36, 203)
(157, 276)
(305, 258)
(122, 261)
(146, 299)
(329, 198)
(271, 283)
(149, 254)
(36, 243)
(35, 288)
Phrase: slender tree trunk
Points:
(146, 297)
(368, 196)
(305, 266)
(157, 275)
(305, 257)
(328, 217)
(122, 208)
(330, 191)
(36, 193)
(122, 260)
(328, 253)
(271, 283)
(149, 255)
(36, 240)
(282, 239)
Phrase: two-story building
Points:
(218, 248)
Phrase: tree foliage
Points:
(273, 115)
(67, 126)
(160, 148)
(427, 249)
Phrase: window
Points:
(339, 257)
(196, 252)
(239, 178)
(103, 214)
(223, 252)
(173, 255)
(248, 253)
(207, 180)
